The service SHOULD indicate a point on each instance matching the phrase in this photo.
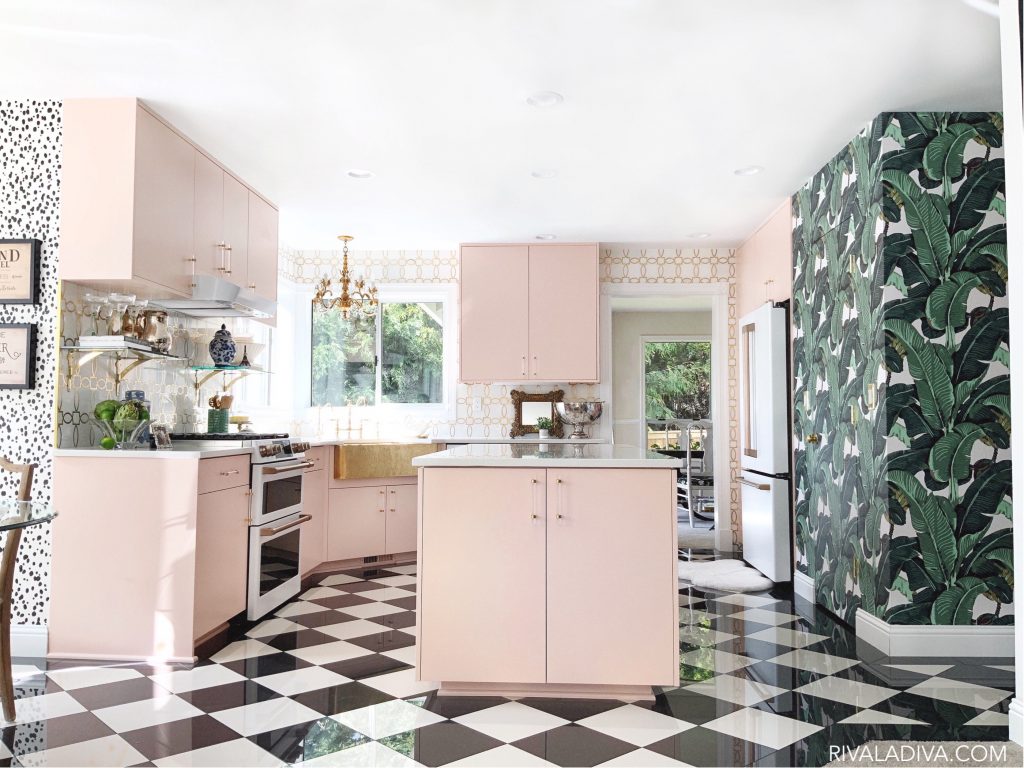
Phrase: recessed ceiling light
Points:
(360, 173)
(545, 99)
(546, 237)
(544, 173)
(748, 170)
(700, 235)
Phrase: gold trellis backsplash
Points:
(169, 384)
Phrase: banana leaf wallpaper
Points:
(900, 359)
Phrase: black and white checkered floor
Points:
(329, 681)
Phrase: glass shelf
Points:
(80, 354)
(228, 368)
(232, 374)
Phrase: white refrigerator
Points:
(764, 442)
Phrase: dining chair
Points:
(7, 562)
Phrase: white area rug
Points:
(696, 539)
(725, 575)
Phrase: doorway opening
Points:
(668, 392)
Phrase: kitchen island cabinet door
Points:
(611, 536)
(563, 323)
(494, 288)
(481, 571)
(400, 535)
(314, 503)
(222, 551)
(356, 522)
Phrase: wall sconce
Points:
(854, 414)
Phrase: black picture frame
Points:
(35, 248)
(29, 356)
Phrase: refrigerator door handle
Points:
(758, 486)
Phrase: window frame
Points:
(656, 338)
(442, 293)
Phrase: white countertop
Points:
(176, 452)
(213, 448)
(516, 440)
(561, 455)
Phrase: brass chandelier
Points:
(356, 296)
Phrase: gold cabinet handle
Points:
(813, 438)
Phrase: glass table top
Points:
(22, 514)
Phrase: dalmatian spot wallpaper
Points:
(30, 208)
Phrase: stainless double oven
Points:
(275, 533)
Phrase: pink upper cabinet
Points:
(495, 343)
(529, 313)
(563, 313)
(261, 272)
(143, 209)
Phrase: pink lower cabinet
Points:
(580, 594)
(400, 520)
(481, 571)
(611, 576)
(314, 503)
(222, 549)
(356, 522)
(364, 521)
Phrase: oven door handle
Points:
(289, 468)
(274, 531)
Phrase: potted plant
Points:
(544, 426)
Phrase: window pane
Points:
(412, 352)
(677, 376)
(343, 359)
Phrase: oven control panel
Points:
(275, 450)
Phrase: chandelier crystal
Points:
(356, 296)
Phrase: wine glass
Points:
(94, 304)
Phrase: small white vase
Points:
(544, 434)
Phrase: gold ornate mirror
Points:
(529, 407)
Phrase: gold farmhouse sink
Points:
(355, 461)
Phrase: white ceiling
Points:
(663, 100)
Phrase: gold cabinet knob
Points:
(813, 438)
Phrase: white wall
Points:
(627, 377)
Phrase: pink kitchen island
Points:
(548, 572)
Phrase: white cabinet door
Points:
(766, 536)
(764, 390)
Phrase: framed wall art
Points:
(19, 270)
(17, 356)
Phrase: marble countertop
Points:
(191, 451)
(213, 449)
(560, 455)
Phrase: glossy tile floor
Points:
(329, 680)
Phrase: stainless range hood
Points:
(216, 297)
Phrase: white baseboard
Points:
(1017, 720)
(29, 640)
(803, 586)
(933, 640)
